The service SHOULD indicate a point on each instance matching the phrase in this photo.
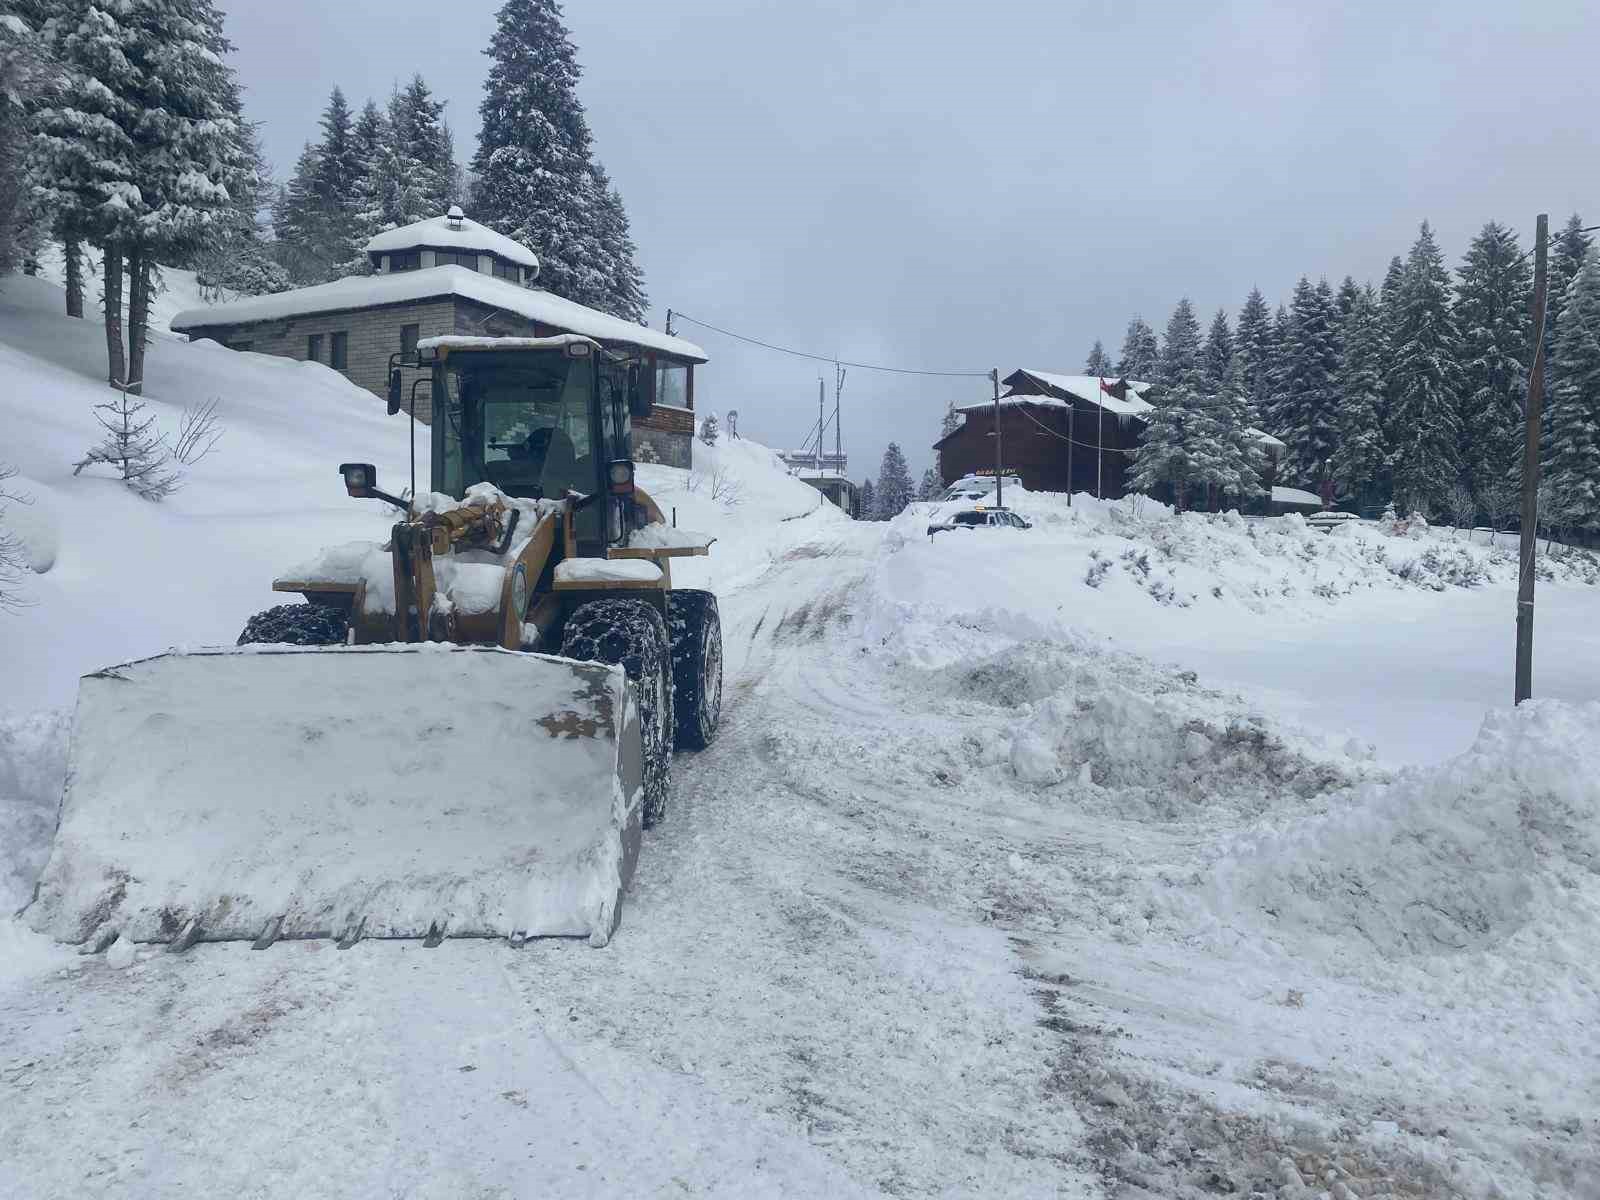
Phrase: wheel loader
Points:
(460, 732)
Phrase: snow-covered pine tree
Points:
(372, 146)
(535, 180)
(426, 152)
(869, 501)
(1492, 309)
(1361, 454)
(1346, 297)
(1306, 404)
(1425, 360)
(144, 156)
(931, 485)
(709, 431)
(1389, 314)
(1575, 452)
(295, 223)
(894, 490)
(1568, 249)
(948, 424)
(625, 291)
(1228, 460)
(1099, 362)
(335, 176)
(24, 79)
(132, 447)
(1177, 437)
(1141, 353)
(1279, 348)
(1253, 355)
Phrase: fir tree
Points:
(425, 183)
(894, 490)
(1099, 363)
(1349, 293)
(869, 501)
(1176, 434)
(1389, 314)
(1568, 250)
(535, 179)
(1492, 310)
(1575, 452)
(1425, 356)
(1305, 406)
(1253, 355)
(296, 224)
(709, 430)
(625, 281)
(1216, 356)
(24, 79)
(132, 447)
(931, 485)
(1228, 460)
(372, 145)
(1141, 355)
(1361, 455)
(948, 424)
(333, 183)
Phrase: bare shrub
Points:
(198, 434)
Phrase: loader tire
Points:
(696, 630)
(632, 635)
(297, 625)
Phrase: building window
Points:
(406, 260)
(672, 383)
(338, 347)
(505, 270)
(456, 258)
(408, 342)
(313, 347)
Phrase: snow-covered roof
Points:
(448, 235)
(1289, 495)
(368, 291)
(1085, 387)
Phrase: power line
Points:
(828, 358)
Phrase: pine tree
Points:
(1177, 434)
(535, 179)
(1568, 249)
(931, 485)
(948, 424)
(1099, 363)
(238, 258)
(1228, 459)
(1305, 406)
(1349, 293)
(1216, 356)
(625, 288)
(1253, 355)
(334, 184)
(24, 80)
(424, 186)
(1141, 355)
(869, 501)
(296, 225)
(709, 431)
(132, 447)
(1389, 315)
(1425, 366)
(1361, 456)
(142, 160)
(894, 490)
(372, 146)
(1496, 327)
(1575, 452)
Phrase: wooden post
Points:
(1530, 465)
(1072, 408)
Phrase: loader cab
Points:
(540, 418)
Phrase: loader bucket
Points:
(420, 791)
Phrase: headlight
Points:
(620, 475)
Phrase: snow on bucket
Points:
(373, 791)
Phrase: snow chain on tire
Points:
(696, 666)
(632, 635)
(297, 625)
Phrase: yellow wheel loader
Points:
(461, 732)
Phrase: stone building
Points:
(449, 275)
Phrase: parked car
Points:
(980, 518)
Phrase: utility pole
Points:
(1100, 450)
(838, 439)
(669, 322)
(999, 482)
(1072, 407)
(1530, 464)
(821, 426)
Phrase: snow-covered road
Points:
(882, 946)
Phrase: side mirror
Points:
(360, 479)
(638, 395)
(394, 392)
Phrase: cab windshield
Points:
(523, 425)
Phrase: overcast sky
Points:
(961, 187)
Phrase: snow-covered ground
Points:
(997, 882)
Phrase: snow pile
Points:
(1452, 859)
(1076, 725)
(33, 759)
(127, 577)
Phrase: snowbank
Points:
(33, 760)
(1457, 858)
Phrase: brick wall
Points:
(373, 335)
